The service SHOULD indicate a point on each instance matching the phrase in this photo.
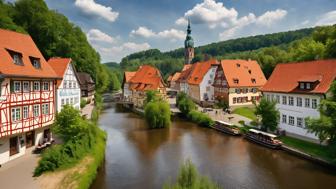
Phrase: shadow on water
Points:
(137, 157)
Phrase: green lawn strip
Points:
(310, 148)
(246, 112)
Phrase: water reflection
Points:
(137, 157)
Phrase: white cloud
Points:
(143, 32)
(95, 35)
(90, 7)
(171, 34)
(328, 18)
(269, 17)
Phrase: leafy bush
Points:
(157, 114)
(83, 103)
(189, 178)
(180, 96)
(201, 119)
(254, 123)
(186, 105)
(241, 122)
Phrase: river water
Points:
(140, 158)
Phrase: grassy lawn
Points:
(323, 152)
(246, 112)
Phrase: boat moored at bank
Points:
(263, 138)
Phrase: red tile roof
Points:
(185, 73)
(146, 78)
(176, 76)
(170, 78)
(199, 70)
(59, 65)
(247, 72)
(23, 44)
(285, 77)
(128, 76)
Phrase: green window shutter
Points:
(11, 86)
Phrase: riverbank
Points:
(82, 167)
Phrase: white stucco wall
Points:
(295, 111)
(233, 94)
(207, 81)
(65, 93)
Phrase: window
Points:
(45, 109)
(302, 86)
(67, 101)
(299, 101)
(268, 97)
(17, 59)
(314, 103)
(26, 87)
(25, 112)
(291, 120)
(278, 99)
(36, 110)
(238, 91)
(253, 80)
(299, 121)
(234, 100)
(17, 86)
(16, 114)
(209, 82)
(254, 90)
(307, 102)
(65, 84)
(35, 62)
(62, 102)
(74, 85)
(207, 88)
(235, 81)
(308, 86)
(36, 86)
(45, 86)
(284, 100)
(291, 101)
(70, 84)
(284, 118)
(71, 100)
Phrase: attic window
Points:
(16, 56)
(238, 65)
(235, 81)
(253, 80)
(35, 62)
(249, 71)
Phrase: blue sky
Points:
(116, 28)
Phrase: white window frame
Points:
(278, 99)
(291, 101)
(36, 110)
(284, 118)
(45, 109)
(15, 83)
(24, 86)
(299, 101)
(284, 100)
(299, 122)
(25, 112)
(302, 86)
(45, 86)
(314, 103)
(62, 102)
(16, 114)
(308, 86)
(291, 120)
(307, 102)
(36, 86)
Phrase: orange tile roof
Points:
(59, 65)
(285, 77)
(146, 78)
(176, 76)
(128, 76)
(170, 78)
(186, 67)
(248, 73)
(199, 70)
(23, 44)
(185, 73)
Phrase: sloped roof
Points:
(24, 45)
(146, 78)
(247, 72)
(199, 70)
(185, 73)
(170, 78)
(128, 76)
(286, 77)
(84, 78)
(176, 76)
(59, 65)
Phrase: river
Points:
(143, 159)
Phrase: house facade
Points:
(127, 93)
(299, 95)
(181, 83)
(87, 86)
(200, 81)
(68, 90)
(173, 81)
(238, 82)
(27, 98)
(146, 78)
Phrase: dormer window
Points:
(17, 57)
(235, 81)
(253, 80)
(308, 85)
(302, 86)
(35, 62)
(249, 71)
(238, 65)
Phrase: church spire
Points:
(189, 46)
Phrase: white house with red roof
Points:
(27, 95)
(237, 82)
(298, 89)
(68, 90)
(127, 93)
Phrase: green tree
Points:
(189, 178)
(157, 114)
(186, 105)
(307, 49)
(325, 126)
(152, 96)
(268, 113)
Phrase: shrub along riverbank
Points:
(82, 139)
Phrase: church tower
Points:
(188, 46)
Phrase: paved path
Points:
(87, 110)
(18, 173)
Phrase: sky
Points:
(116, 28)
